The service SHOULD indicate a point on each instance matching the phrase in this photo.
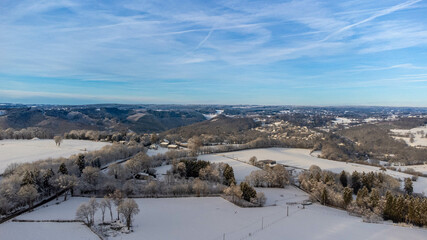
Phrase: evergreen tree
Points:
(28, 178)
(368, 180)
(229, 175)
(328, 179)
(46, 180)
(63, 169)
(408, 186)
(361, 195)
(401, 209)
(355, 182)
(248, 192)
(324, 196)
(374, 198)
(80, 162)
(388, 212)
(343, 179)
(347, 196)
(96, 162)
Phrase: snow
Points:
(162, 170)
(417, 132)
(212, 115)
(418, 168)
(45, 230)
(300, 158)
(159, 150)
(369, 120)
(21, 151)
(241, 169)
(342, 120)
(212, 217)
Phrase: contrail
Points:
(378, 14)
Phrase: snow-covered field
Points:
(241, 170)
(212, 217)
(21, 151)
(342, 120)
(418, 168)
(162, 170)
(159, 150)
(45, 230)
(300, 158)
(418, 132)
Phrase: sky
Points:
(302, 52)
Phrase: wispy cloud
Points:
(220, 43)
(17, 94)
(374, 16)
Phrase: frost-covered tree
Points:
(103, 208)
(199, 187)
(116, 170)
(133, 166)
(58, 140)
(280, 176)
(65, 182)
(83, 213)
(93, 206)
(253, 160)
(90, 177)
(117, 197)
(233, 191)
(195, 143)
(107, 202)
(128, 208)
(181, 169)
(28, 193)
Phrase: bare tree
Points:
(103, 207)
(106, 203)
(83, 213)
(93, 206)
(117, 197)
(128, 208)
(195, 143)
(134, 166)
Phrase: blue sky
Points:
(357, 52)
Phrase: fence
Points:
(264, 222)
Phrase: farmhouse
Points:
(173, 146)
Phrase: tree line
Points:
(375, 196)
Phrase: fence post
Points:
(262, 223)
(287, 211)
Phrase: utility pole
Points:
(287, 211)
(223, 237)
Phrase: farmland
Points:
(22, 151)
